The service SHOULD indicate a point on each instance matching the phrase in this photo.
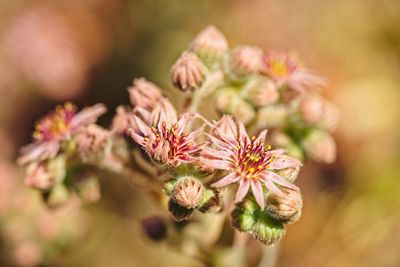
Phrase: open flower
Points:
(165, 138)
(287, 69)
(248, 161)
(57, 127)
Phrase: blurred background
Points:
(89, 51)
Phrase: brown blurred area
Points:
(89, 51)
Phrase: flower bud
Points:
(271, 116)
(188, 192)
(245, 60)
(91, 143)
(287, 208)
(311, 109)
(290, 173)
(178, 212)
(263, 93)
(244, 215)
(155, 228)
(268, 230)
(39, 176)
(320, 146)
(210, 201)
(210, 44)
(88, 188)
(228, 101)
(144, 94)
(188, 72)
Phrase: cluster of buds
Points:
(197, 160)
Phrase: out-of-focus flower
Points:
(245, 60)
(188, 72)
(165, 139)
(263, 93)
(286, 208)
(43, 45)
(287, 69)
(210, 44)
(144, 94)
(229, 101)
(88, 188)
(57, 127)
(92, 142)
(27, 254)
(248, 161)
(320, 146)
(39, 176)
(122, 121)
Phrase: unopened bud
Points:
(268, 230)
(286, 208)
(39, 176)
(263, 93)
(88, 188)
(311, 109)
(155, 228)
(188, 192)
(210, 44)
(91, 143)
(210, 201)
(271, 116)
(320, 146)
(244, 215)
(188, 72)
(245, 60)
(178, 212)
(228, 101)
(144, 94)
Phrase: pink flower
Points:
(287, 69)
(144, 94)
(165, 138)
(246, 159)
(57, 127)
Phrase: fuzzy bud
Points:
(245, 60)
(155, 228)
(229, 101)
(210, 44)
(88, 188)
(271, 116)
(268, 230)
(287, 208)
(178, 212)
(311, 109)
(144, 94)
(188, 72)
(188, 192)
(210, 201)
(39, 176)
(92, 142)
(291, 173)
(248, 217)
(320, 146)
(263, 93)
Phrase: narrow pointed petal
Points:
(227, 180)
(261, 137)
(137, 138)
(278, 180)
(257, 190)
(243, 189)
(88, 115)
(146, 130)
(283, 162)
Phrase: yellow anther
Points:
(253, 138)
(251, 170)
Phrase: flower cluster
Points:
(191, 162)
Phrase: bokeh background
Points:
(89, 51)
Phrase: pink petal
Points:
(257, 190)
(217, 164)
(271, 176)
(283, 162)
(88, 115)
(243, 189)
(39, 151)
(137, 138)
(144, 129)
(272, 188)
(229, 179)
(261, 137)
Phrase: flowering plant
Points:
(209, 162)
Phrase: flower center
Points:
(253, 157)
(56, 124)
(170, 135)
